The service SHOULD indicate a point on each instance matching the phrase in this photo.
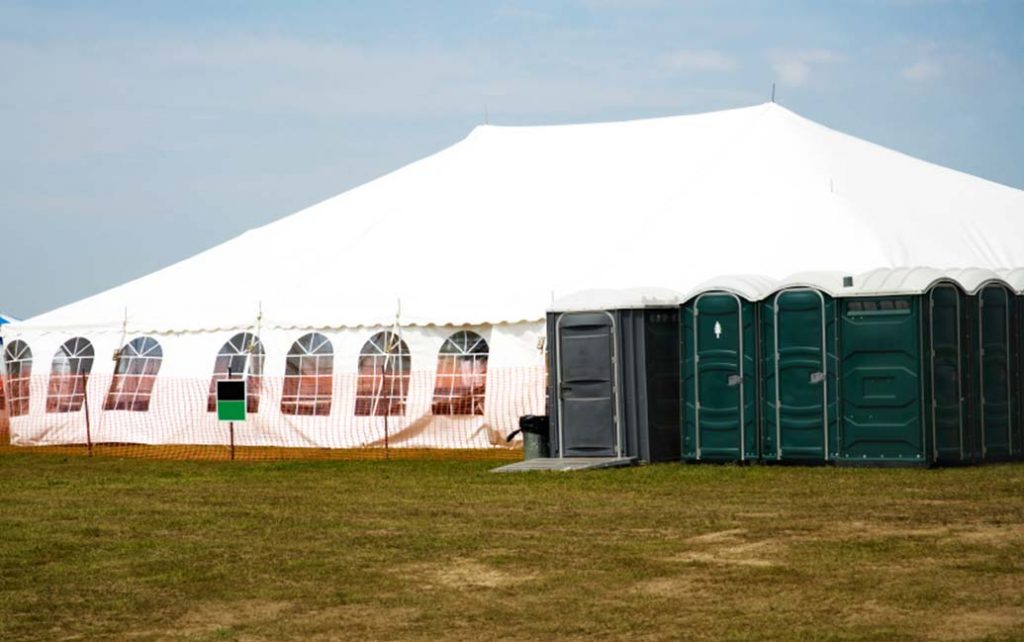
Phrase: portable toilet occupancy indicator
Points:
(231, 400)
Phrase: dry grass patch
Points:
(462, 574)
(1004, 622)
(207, 618)
(691, 588)
(731, 547)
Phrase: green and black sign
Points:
(231, 400)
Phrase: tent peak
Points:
(752, 109)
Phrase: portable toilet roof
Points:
(917, 280)
(1014, 277)
(752, 287)
(894, 281)
(974, 279)
(829, 282)
(610, 299)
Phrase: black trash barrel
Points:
(535, 436)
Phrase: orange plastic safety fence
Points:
(179, 423)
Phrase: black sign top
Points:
(231, 390)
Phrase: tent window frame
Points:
(69, 375)
(18, 362)
(308, 387)
(138, 365)
(382, 385)
(460, 383)
(242, 353)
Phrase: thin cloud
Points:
(708, 60)
(922, 71)
(797, 68)
(521, 13)
(619, 4)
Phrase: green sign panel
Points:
(231, 400)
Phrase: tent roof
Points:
(492, 228)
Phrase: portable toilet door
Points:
(947, 387)
(993, 370)
(798, 376)
(1017, 386)
(880, 385)
(719, 378)
(1014, 277)
(586, 385)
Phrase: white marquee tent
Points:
(483, 235)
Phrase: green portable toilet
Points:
(989, 364)
(614, 383)
(947, 347)
(718, 346)
(904, 358)
(799, 369)
(1015, 279)
(993, 371)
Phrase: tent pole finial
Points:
(773, 92)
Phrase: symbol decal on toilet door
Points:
(718, 330)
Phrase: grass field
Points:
(132, 549)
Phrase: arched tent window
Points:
(137, 367)
(241, 356)
(68, 374)
(18, 358)
(308, 376)
(383, 383)
(461, 381)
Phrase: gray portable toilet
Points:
(613, 363)
(719, 363)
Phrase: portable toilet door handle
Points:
(735, 380)
(817, 377)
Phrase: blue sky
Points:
(135, 134)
